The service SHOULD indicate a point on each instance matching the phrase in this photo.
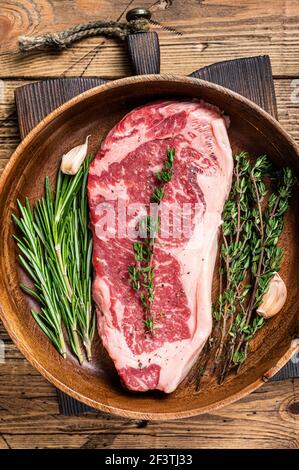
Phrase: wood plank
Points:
(3, 334)
(212, 31)
(9, 131)
(18, 386)
(3, 443)
(151, 441)
(263, 420)
(287, 95)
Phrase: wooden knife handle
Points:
(144, 52)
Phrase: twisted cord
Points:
(59, 41)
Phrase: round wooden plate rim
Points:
(126, 81)
(22, 345)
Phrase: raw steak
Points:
(123, 176)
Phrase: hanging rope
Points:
(59, 41)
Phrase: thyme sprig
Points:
(235, 251)
(56, 248)
(266, 255)
(249, 256)
(142, 273)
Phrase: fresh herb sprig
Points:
(235, 251)
(166, 174)
(142, 274)
(249, 256)
(45, 289)
(56, 248)
(266, 255)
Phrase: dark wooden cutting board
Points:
(250, 76)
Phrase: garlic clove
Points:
(73, 159)
(274, 299)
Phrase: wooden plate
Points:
(95, 112)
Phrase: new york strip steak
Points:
(120, 185)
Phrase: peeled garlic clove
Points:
(72, 160)
(274, 299)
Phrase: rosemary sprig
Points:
(58, 240)
(249, 257)
(142, 272)
(45, 290)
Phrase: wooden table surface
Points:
(213, 30)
